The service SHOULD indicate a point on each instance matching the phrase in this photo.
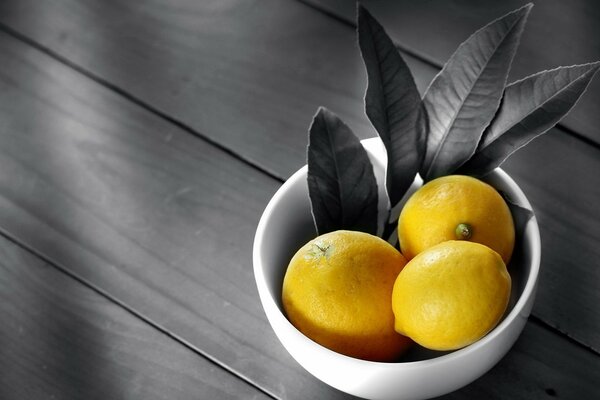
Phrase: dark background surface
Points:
(140, 142)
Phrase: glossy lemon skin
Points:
(435, 211)
(451, 295)
(337, 290)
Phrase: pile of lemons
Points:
(446, 288)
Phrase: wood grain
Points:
(60, 339)
(235, 42)
(557, 33)
(178, 295)
(157, 218)
(247, 74)
(164, 221)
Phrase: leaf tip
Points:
(521, 13)
(361, 10)
(316, 120)
(526, 9)
(593, 68)
(363, 18)
(595, 65)
(323, 113)
(321, 110)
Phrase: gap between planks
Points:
(540, 322)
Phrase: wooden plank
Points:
(541, 365)
(249, 75)
(63, 339)
(560, 176)
(557, 33)
(157, 218)
(58, 312)
(93, 177)
(60, 339)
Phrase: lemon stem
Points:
(463, 231)
(322, 249)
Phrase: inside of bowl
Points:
(291, 227)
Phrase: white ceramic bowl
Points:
(286, 225)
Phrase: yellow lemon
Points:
(456, 207)
(337, 290)
(451, 295)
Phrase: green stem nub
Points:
(463, 231)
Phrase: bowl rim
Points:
(531, 229)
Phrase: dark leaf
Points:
(341, 182)
(393, 104)
(463, 98)
(520, 215)
(529, 108)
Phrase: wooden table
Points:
(141, 140)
